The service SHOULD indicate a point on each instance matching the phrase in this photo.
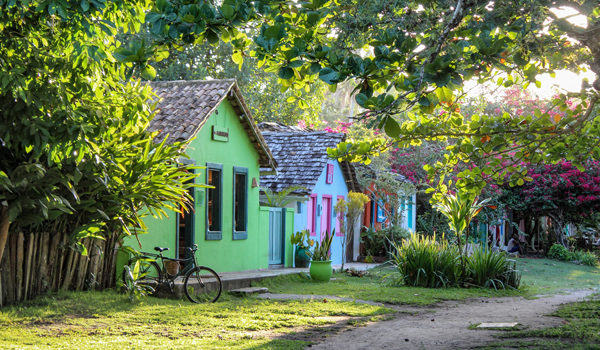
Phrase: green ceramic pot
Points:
(320, 270)
(301, 258)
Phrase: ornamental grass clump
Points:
(492, 270)
(424, 262)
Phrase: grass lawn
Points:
(107, 320)
(581, 332)
(540, 276)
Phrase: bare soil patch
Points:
(443, 326)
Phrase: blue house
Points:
(303, 161)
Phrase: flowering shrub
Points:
(556, 188)
(341, 127)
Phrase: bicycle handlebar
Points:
(193, 249)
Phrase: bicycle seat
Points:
(159, 249)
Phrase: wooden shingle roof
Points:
(185, 106)
(301, 158)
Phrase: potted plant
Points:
(367, 238)
(320, 266)
(303, 243)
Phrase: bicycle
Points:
(208, 288)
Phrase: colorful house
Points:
(375, 216)
(377, 211)
(302, 160)
(231, 230)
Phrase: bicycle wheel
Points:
(149, 272)
(202, 285)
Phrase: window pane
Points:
(214, 200)
(240, 202)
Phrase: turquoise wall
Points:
(225, 254)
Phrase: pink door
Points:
(312, 214)
(325, 216)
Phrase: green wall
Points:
(289, 230)
(225, 254)
(264, 235)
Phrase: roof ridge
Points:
(167, 83)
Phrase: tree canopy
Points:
(67, 82)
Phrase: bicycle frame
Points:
(164, 277)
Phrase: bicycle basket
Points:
(172, 268)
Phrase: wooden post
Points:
(59, 268)
(44, 248)
(94, 262)
(20, 267)
(30, 244)
(69, 269)
(4, 226)
(12, 265)
(82, 266)
(101, 259)
(34, 267)
(52, 258)
(5, 276)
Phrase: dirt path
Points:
(444, 326)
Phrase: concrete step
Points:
(250, 290)
(229, 280)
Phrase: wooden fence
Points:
(36, 263)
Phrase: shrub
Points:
(590, 259)
(423, 262)
(493, 269)
(559, 252)
(576, 255)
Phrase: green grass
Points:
(543, 276)
(106, 320)
(582, 331)
(540, 276)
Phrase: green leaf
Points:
(286, 73)
(227, 11)
(148, 72)
(392, 128)
(212, 37)
(328, 75)
(361, 99)
(238, 58)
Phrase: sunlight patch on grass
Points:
(106, 320)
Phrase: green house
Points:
(231, 230)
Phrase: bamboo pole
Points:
(83, 264)
(28, 263)
(34, 267)
(43, 276)
(35, 273)
(94, 263)
(67, 279)
(52, 257)
(4, 226)
(12, 263)
(101, 258)
(113, 260)
(59, 269)
(5, 275)
(20, 267)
